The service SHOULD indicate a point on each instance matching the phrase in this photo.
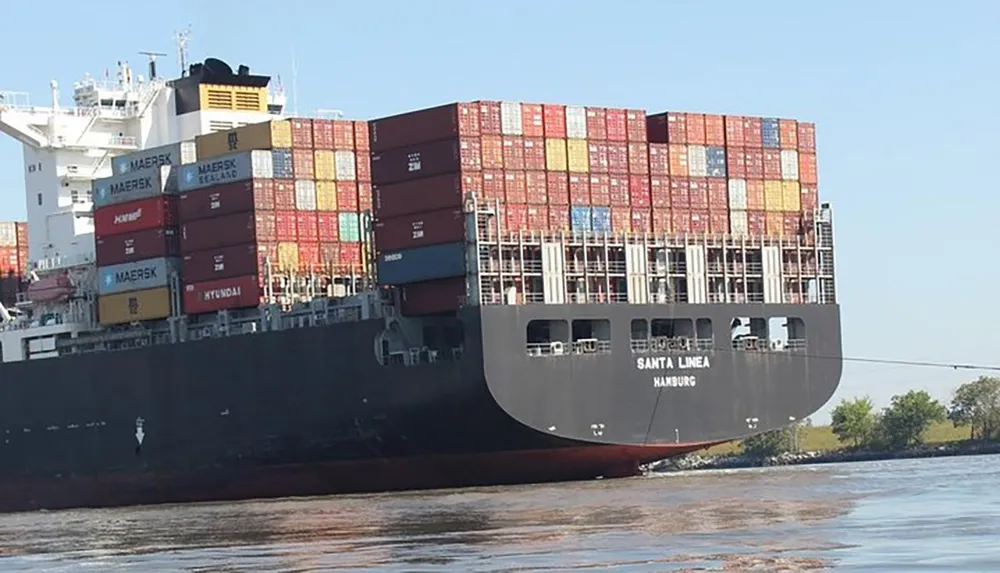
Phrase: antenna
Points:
(182, 39)
(152, 63)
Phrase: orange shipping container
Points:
(493, 186)
(700, 221)
(718, 222)
(775, 224)
(807, 137)
(755, 195)
(492, 150)
(678, 160)
(807, 168)
(309, 257)
(621, 220)
(303, 166)
(772, 164)
(616, 123)
(695, 128)
(343, 135)
(361, 136)
(597, 126)
(515, 187)
(718, 195)
(680, 221)
(715, 130)
(662, 220)
(809, 199)
(516, 218)
(305, 226)
(642, 220)
(532, 120)
(349, 259)
(600, 190)
(328, 226)
(792, 224)
(513, 153)
(635, 125)
(364, 196)
(537, 218)
(734, 131)
(788, 134)
(756, 223)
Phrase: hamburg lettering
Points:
(130, 185)
(672, 363)
(130, 217)
(674, 381)
(221, 293)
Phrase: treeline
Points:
(900, 425)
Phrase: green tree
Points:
(766, 444)
(977, 405)
(903, 423)
(854, 420)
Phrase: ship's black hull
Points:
(311, 411)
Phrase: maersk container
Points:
(349, 226)
(770, 133)
(134, 185)
(226, 169)
(421, 264)
(600, 219)
(579, 218)
(138, 275)
(281, 160)
(180, 153)
(715, 158)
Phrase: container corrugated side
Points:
(578, 156)
(770, 133)
(420, 230)
(349, 226)
(213, 264)
(635, 125)
(326, 196)
(324, 165)
(513, 152)
(222, 294)
(678, 160)
(715, 160)
(238, 197)
(155, 212)
(129, 247)
(617, 124)
(263, 135)
(597, 124)
(180, 153)
(433, 297)
(534, 154)
(554, 121)
(695, 128)
(137, 275)
(617, 158)
(281, 164)
(734, 131)
(226, 169)
(715, 130)
(738, 223)
(305, 195)
(450, 121)
(134, 185)
(807, 137)
(737, 194)
(323, 134)
(228, 230)
(532, 122)
(755, 195)
(421, 264)
(429, 194)
(807, 168)
(791, 199)
(346, 165)
(8, 234)
(600, 219)
(580, 218)
(556, 155)
(789, 165)
(659, 159)
(697, 161)
(135, 306)
(511, 121)
(343, 134)
(773, 196)
(788, 135)
(306, 227)
(426, 160)
(576, 122)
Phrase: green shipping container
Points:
(350, 228)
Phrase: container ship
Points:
(224, 302)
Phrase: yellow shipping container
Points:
(790, 197)
(555, 155)
(288, 256)
(120, 308)
(326, 196)
(578, 153)
(773, 199)
(325, 165)
(274, 134)
(232, 98)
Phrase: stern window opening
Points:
(592, 336)
(547, 338)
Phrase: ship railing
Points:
(667, 298)
(752, 343)
(591, 346)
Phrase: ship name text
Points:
(672, 362)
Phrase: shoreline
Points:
(741, 461)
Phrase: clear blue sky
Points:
(904, 94)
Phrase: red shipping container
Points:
(228, 198)
(426, 160)
(659, 192)
(638, 191)
(347, 196)
(513, 153)
(493, 186)
(537, 218)
(621, 220)
(349, 258)
(638, 158)
(532, 120)
(700, 221)
(128, 247)
(515, 218)
(536, 186)
(515, 187)
(772, 164)
(21, 231)
(305, 226)
(618, 158)
(471, 183)
(8, 261)
(430, 194)
(361, 135)
(284, 194)
(807, 137)
(266, 252)
(718, 222)
(303, 164)
(286, 226)
(696, 128)
(222, 294)
(718, 194)
(659, 159)
(302, 133)
(597, 124)
(618, 189)
(323, 133)
(598, 157)
(736, 162)
(662, 220)
(635, 125)
(677, 128)
(579, 190)
(793, 224)
(329, 255)
(229, 230)
(559, 218)
(557, 188)
(641, 220)
(698, 193)
(679, 194)
(362, 167)
(155, 212)
(678, 155)
(534, 153)
(807, 168)
(600, 189)
(214, 264)
(343, 134)
(753, 132)
(788, 134)
(755, 163)
(309, 257)
(364, 196)
(715, 130)
(757, 223)
(755, 194)
(456, 120)
(328, 226)
(680, 221)
(490, 122)
(734, 131)
(433, 297)
(554, 117)
(420, 230)
(617, 124)
(810, 199)
(656, 129)
(492, 149)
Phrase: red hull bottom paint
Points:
(347, 477)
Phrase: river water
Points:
(910, 515)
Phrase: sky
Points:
(904, 95)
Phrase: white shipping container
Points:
(576, 122)
(737, 195)
(8, 234)
(345, 165)
(738, 225)
(789, 165)
(697, 161)
(305, 195)
(256, 164)
(510, 118)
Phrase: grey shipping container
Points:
(138, 275)
(135, 185)
(180, 153)
(421, 264)
(255, 164)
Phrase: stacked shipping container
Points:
(13, 260)
(293, 194)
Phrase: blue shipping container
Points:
(601, 219)
(231, 168)
(579, 218)
(133, 185)
(349, 227)
(282, 159)
(715, 157)
(421, 264)
(771, 133)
